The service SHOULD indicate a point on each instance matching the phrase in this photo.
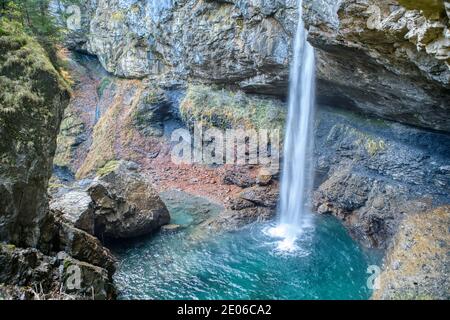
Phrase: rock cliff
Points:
(32, 102)
(39, 251)
(383, 57)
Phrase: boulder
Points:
(238, 177)
(264, 196)
(384, 58)
(373, 173)
(59, 234)
(78, 209)
(126, 205)
(230, 220)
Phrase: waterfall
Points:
(296, 180)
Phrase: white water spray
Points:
(297, 170)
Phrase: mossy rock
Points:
(33, 96)
(225, 109)
(108, 167)
(433, 9)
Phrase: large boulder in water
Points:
(126, 204)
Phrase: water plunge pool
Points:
(196, 264)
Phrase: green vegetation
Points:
(431, 8)
(36, 20)
(22, 55)
(103, 85)
(31, 93)
(224, 109)
(110, 166)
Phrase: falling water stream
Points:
(297, 170)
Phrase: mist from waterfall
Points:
(296, 180)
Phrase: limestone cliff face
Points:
(378, 57)
(32, 101)
(375, 56)
(240, 42)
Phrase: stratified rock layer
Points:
(375, 56)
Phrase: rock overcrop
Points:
(383, 57)
(116, 205)
(32, 100)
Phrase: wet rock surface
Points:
(371, 174)
(119, 204)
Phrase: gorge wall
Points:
(32, 102)
(382, 58)
(375, 56)
(38, 250)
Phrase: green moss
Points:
(153, 97)
(103, 85)
(67, 263)
(117, 16)
(225, 109)
(71, 128)
(374, 146)
(433, 9)
(9, 247)
(32, 97)
(108, 167)
(21, 55)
